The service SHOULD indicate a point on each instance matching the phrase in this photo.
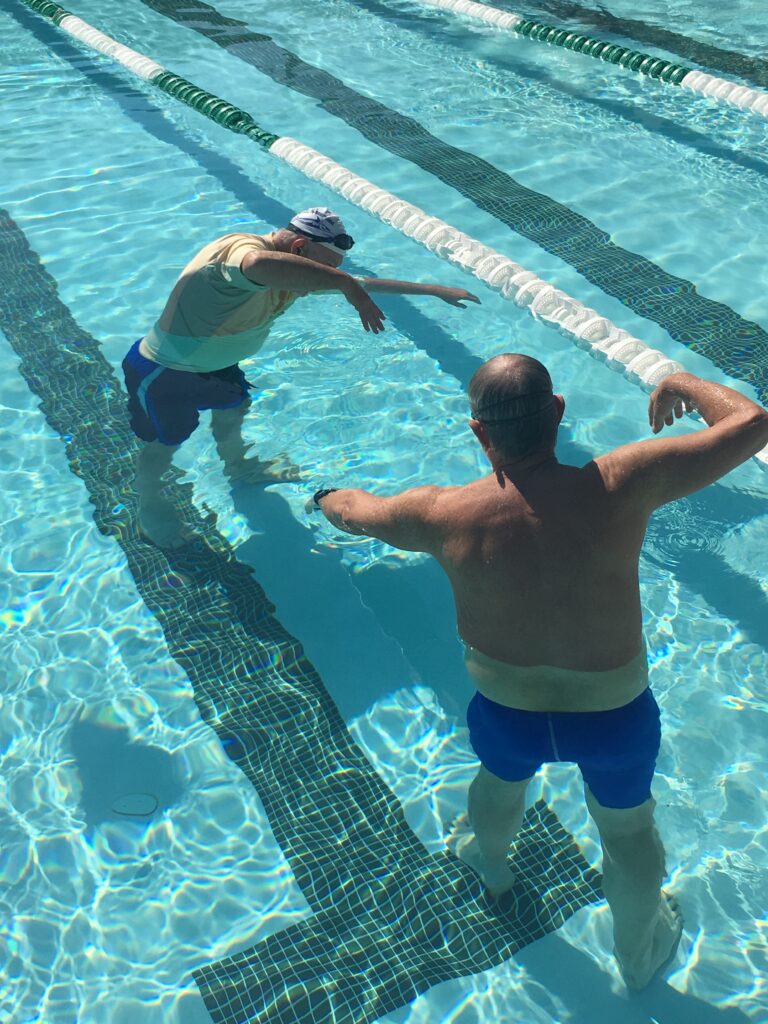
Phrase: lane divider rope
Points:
(594, 333)
(721, 89)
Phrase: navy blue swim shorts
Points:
(165, 404)
(616, 750)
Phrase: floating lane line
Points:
(590, 331)
(754, 69)
(721, 89)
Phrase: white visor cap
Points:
(325, 227)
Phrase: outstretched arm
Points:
(405, 520)
(662, 470)
(453, 296)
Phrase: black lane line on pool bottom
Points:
(402, 930)
(736, 345)
(343, 832)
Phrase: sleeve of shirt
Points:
(233, 275)
(229, 269)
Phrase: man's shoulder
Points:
(223, 248)
(218, 264)
(617, 467)
(228, 249)
(461, 500)
(630, 477)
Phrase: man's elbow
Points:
(753, 430)
(757, 421)
(762, 428)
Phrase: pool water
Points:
(133, 849)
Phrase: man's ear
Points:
(297, 246)
(480, 433)
(560, 402)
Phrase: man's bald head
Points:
(511, 395)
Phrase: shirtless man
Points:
(220, 312)
(543, 561)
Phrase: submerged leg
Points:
(158, 517)
(647, 922)
(482, 839)
(227, 427)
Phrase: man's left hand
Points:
(454, 296)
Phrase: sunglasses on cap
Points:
(344, 242)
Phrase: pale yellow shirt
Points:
(215, 316)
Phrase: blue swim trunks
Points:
(165, 404)
(616, 750)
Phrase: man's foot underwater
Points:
(160, 523)
(640, 968)
(461, 841)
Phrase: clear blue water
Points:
(115, 187)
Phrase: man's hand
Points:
(665, 405)
(370, 315)
(454, 296)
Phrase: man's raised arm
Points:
(659, 471)
(405, 520)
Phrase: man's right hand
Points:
(370, 315)
(666, 404)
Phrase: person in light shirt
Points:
(543, 561)
(220, 312)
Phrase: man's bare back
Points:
(543, 557)
(544, 567)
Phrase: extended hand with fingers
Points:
(371, 317)
(454, 296)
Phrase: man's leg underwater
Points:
(158, 517)
(495, 814)
(159, 406)
(646, 922)
(227, 428)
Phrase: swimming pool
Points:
(135, 850)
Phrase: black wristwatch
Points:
(318, 496)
